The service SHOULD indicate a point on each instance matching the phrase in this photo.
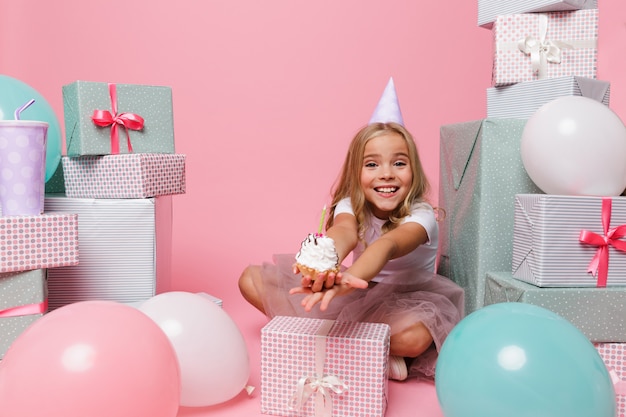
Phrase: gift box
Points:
(599, 313)
(105, 118)
(316, 367)
(23, 299)
(481, 171)
(37, 242)
(569, 241)
(56, 183)
(522, 100)
(488, 10)
(534, 46)
(125, 250)
(614, 357)
(137, 175)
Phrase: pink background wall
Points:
(267, 95)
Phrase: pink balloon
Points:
(212, 353)
(90, 359)
(575, 146)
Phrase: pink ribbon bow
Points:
(104, 118)
(25, 310)
(600, 263)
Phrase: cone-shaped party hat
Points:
(388, 108)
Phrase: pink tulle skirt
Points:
(400, 300)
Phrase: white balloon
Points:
(575, 146)
(211, 351)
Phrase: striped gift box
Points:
(124, 250)
(534, 46)
(299, 353)
(522, 100)
(547, 246)
(488, 10)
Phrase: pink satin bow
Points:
(104, 118)
(600, 263)
(25, 310)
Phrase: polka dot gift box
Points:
(599, 313)
(316, 368)
(108, 118)
(124, 176)
(534, 46)
(481, 171)
(23, 300)
(614, 357)
(35, 242)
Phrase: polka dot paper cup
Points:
(22, 167)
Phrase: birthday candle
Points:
(321, 226)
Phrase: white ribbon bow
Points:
(324, 387)
(542, 51)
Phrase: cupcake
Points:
(317, 255)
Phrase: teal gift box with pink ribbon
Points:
(23, 299)
(108, 119)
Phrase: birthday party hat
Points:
(388, 108)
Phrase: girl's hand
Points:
(345, 283)
(318, 283)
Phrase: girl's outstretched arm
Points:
(393, 244)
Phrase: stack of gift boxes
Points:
(31, 247)
(105, 233)
(503, 239)
(119, 173)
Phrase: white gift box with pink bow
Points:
(535, 46)
(569, 241)
(323, 368)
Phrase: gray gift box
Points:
(522, 100)
(152, 103)
(481, 171)
(27, 290)
(599, 313)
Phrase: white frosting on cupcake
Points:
(318, 252)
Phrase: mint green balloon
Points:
(14, 94)
(520, 360)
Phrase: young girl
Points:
(379, 214)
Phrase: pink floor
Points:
(410, 398)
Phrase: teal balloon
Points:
(14, 94)
(520, 360)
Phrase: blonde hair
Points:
(349, 182)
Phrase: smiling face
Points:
(386, 174)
